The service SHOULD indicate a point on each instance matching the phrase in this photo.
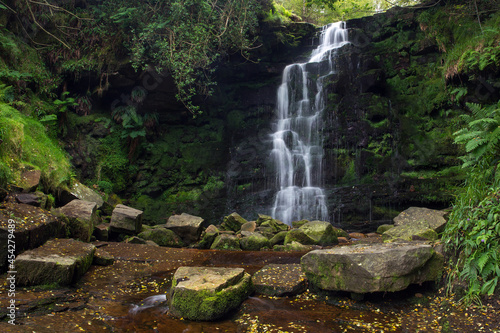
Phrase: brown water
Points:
(108, 299)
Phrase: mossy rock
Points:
(340, 232)
(254, 241)
(226, 242)
(162, 237)
(208, 237)
(298, 224)
(233, 222)
(321, 232)
(278, 239)
(299, 236)
(383, 228)
(208, 293)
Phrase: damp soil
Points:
(128, 297)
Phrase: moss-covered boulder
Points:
(384, 227)
(280, 280)
(233, 222)
(298, 224)
(208, 237)
(208, 293)
(162, 237)
(275, 226)
(299, 236)
(253, 241)
(372, 268)
(226, 242)
(409, 232)
(61, 261)
(278, 239)
(81, 192)
(322, 232)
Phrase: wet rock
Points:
(208, 293)
(372, 268)
(30, 180)
(61, 261)
(208, 237)
(280, 280)
(82, 192)
(126, 219)
(102, 258)
(187, 227)
(322, 232)
(162, 237)
(32, 226)
(273, 225)
(226, 242)
(253, 241)
(233, 222)
(82, 216)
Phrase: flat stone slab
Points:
(188, 227)
(31, 227)
(208, 293)
(368, 268)
(280, 280)
(61, 261)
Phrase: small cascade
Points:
(297, 152)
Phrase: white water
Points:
(297, 147)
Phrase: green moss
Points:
(26, 145)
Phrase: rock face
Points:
(208, 293)
(32, 227)
(82, 217)
(416, 223)
(82, 192)
(372, 268)
(61, 261)
(280, 280)
(187, 227)
(126, 219)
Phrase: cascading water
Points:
(297, 146)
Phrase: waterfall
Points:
(297, 152)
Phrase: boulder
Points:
(249, 226)
(299, 236)
(340, 232)
(82, 217)
(208, 237)
(82, 192)
(280, 280)
(61, 261)
(430, 218)
(162, 237)
(30, 226)
(126, 220)
(322, 232)
(208, 293)
(29, 199)
(233, 222)
(187, 227)
(298, 224)
(274, 225)
(30, 180)
(416, 231)
(253, 241)
(372, 268)
(226, 242)
(278, 239)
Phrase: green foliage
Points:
(482, 134)
(25, 144)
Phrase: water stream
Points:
(297, 153)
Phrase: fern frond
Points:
(474, 143)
